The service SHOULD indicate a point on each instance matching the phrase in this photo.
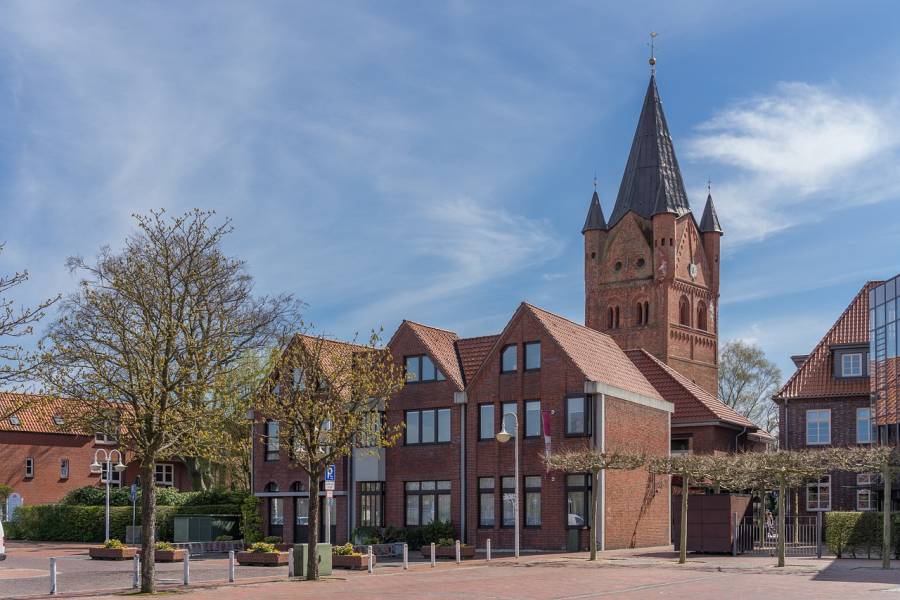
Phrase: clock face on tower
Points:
(693, 270)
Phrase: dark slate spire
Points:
(710, 220)
(595, 218)
(652, 181)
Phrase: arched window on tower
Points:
(610, 318)
(646, 312)
(684, 311)
(701, 316)
(639, 313)
(616, 323)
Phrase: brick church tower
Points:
(651, 273)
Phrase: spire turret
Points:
(595, 219)
(710, 220)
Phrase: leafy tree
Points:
(149, 340)
(326, 397)
(747, 382)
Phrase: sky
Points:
(434, 161)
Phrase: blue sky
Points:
(433, 161)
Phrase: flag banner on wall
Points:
(545, 427)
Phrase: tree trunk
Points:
(312, 563)
(148, 526)
(682, 539)
(781, 522)
(886, 513)
(595, 514)
(796, 507)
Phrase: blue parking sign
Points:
(329, 473)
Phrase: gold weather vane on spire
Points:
(652, 45)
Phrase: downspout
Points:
(600, 438)
(351, 495)
(462, 471)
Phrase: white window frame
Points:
(863, 479)
(872, 500)
(851, 364)
(115, 480)
(818, 412)
(871, 425)
(64, 468)
(816, 489)
(168, 475)
(29, 467)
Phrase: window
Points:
(485, 421)
(15, 421)
(107, 433)
(865, 500)
(428, 426)
(276, 507)
(165, 475)
(616, 318)
(851, 364)
(508, 487)
(532, 418)
(485, 501)
(701, 316)
(115, 479)
(421, 368)
(510, 408)
(427, 501)
(64, 468)
(639, 314)
(863, 479)
(272, 440)
(29, 467)
(610, 318)
(508, 359)
(371, 504)
(646, 312)
(818, 495)
(577, 416)
(57, 420)
(578, 500)
(680, 446)
(864, 426)
(818, 427)
(369, 437)
(684, 311)
(533, 501)
(532, 356)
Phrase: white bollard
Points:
(136, 574)
(371, 559)
(290, 562)
(53, 589)
(231, 566)
(432, 554)
(406, 557)
(457, 551)
(186, 576)
(489, 549)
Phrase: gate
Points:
(803, 536)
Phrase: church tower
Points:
(651, 272)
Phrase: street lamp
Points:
(97, 467)
(504, 436)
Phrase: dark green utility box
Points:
(301, 551)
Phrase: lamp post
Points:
(97, 467)
(504, 436)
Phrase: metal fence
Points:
(803, 536)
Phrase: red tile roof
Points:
(693, 404)
(815, 378)
(441, 346)
(35, 413)
(472, 352)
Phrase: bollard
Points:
(53, 577)
(736, 533)
(432, 554)
(136, 574)
(819, 534)
(457, 551)
(186, 576)
(371, 560)
(290, 562)
(489, 549)
(231, 566)
(406, 557)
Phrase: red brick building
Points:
(43, 459)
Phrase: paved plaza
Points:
(635, 574)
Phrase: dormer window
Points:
(14, 420)
(421, 368)
(57, 420)
(851, 364)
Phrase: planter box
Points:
(112, 553)
(352, 562)
(448, 552)
(262, 559)
(176, 555)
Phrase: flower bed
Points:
(465, 551)
(257, 559)
(101, 553)
(352, 561)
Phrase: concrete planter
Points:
(448, 552)
(360, 562)
(100, 553)
(176, 555)
(262, 559)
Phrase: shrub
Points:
(262, 547)
(224, 538)
(839, 528)
(369, 535)
(164, 546)
(113, 544)
(272, 539)
(445, 542)
(345, 550)
(251, 522)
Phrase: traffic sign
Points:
(329, 473)
(329, 493)
(329, 486)
(133, 493)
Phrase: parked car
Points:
(2, 546)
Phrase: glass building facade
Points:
(884, 333)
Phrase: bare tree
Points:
(149, 340)
(326, 397)
(747, 382)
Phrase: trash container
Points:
(573, 540)
(301, 551)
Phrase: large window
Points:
(577, 416)
(371, 504)
(272, 440)
(510, 408)
(485, 421)
(684, 311)
(851, 365)
(165, 475)
(508, 359)
(533, 501)
(701, 316)
(64, 468)
(485, 501)
(818, 427)
(818, 495)
(108, 432)
(427, 501)
(420, 369)
(578, 500)
(864, 426)
(29, 467)
(508, 487)
(865, 500)
(428, 426)
(864, 479)
(532, 418)
(532, 356)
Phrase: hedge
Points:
(859, 533)
(119, 496)
(69, 523)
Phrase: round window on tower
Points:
(641, 262)
(618, 266)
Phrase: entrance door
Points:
(301, 520)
